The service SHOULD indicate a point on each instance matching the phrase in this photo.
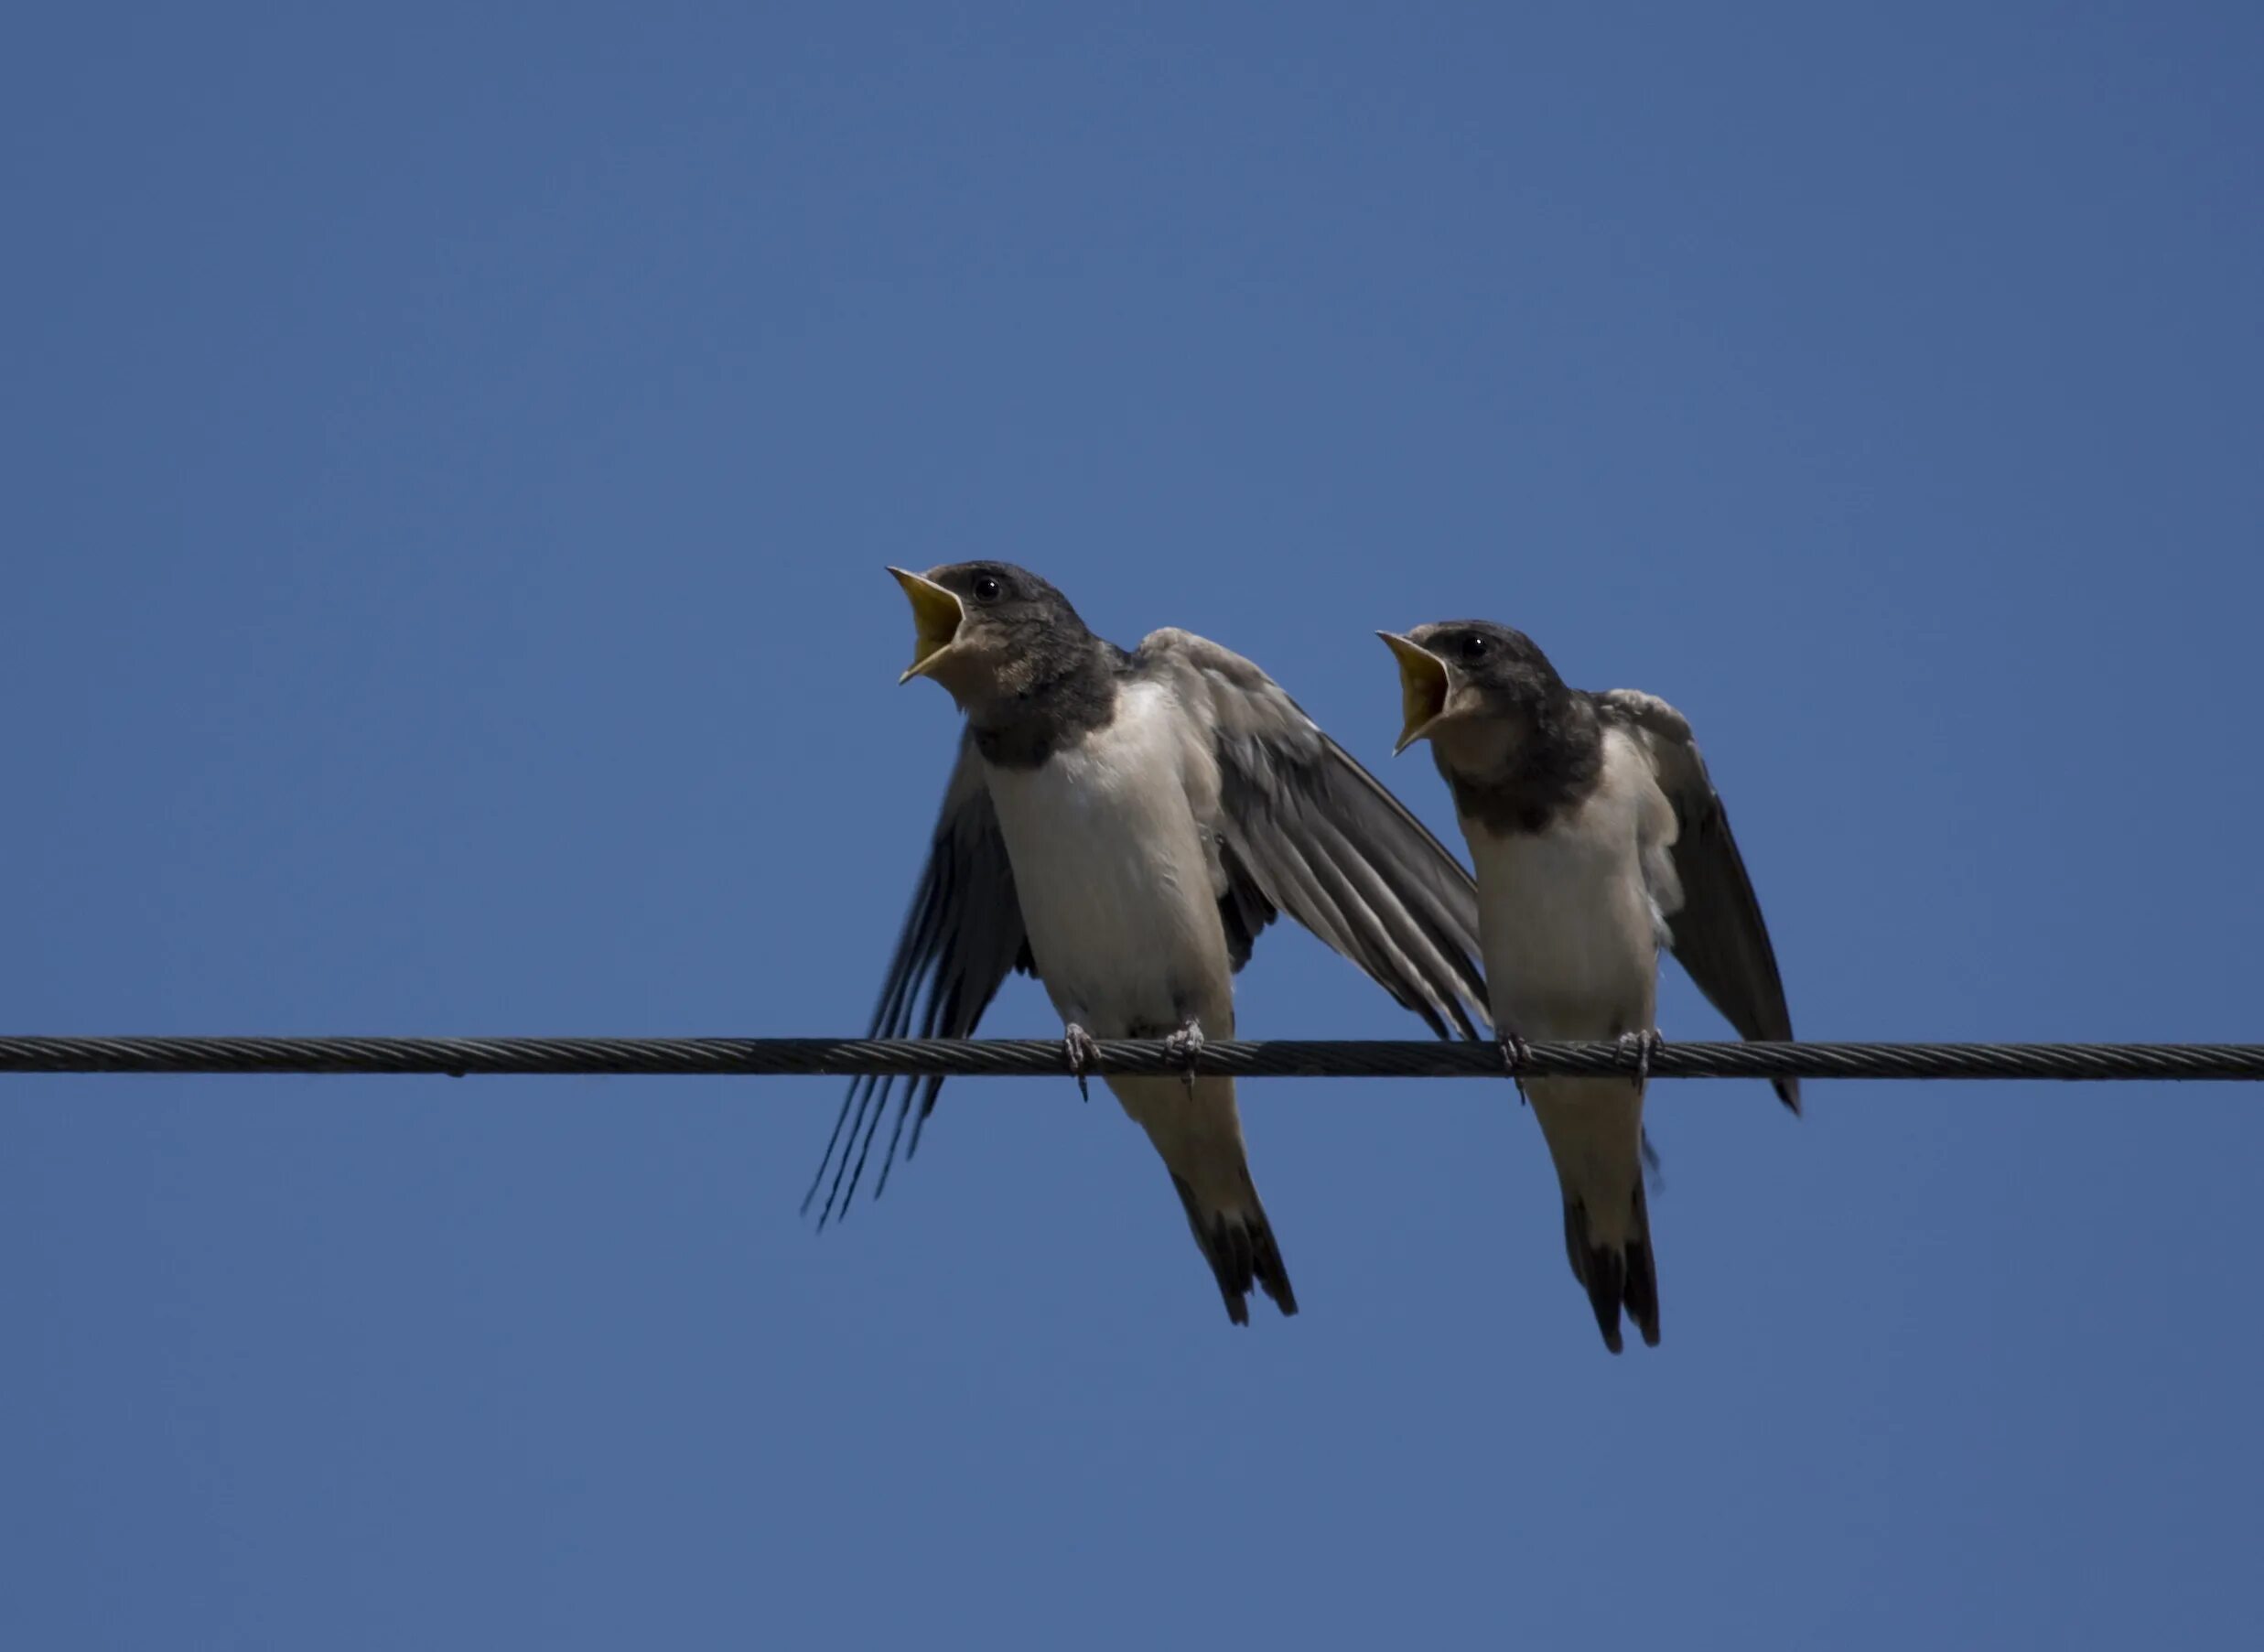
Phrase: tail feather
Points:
(1240, 1247)
(1641, 1295)
(1616, 1275)
(1594, 1128)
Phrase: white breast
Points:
(1571, 929)
(1115, 888)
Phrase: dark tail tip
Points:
(1641, 1293)
(1267, 1266)
(1616, 1276)
(1243, 1253)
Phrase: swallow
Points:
(1599, 842)
(1123, 825)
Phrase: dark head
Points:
(1477, 691)
(990, 631)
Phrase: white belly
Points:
(1569, 928)
(1115, 887)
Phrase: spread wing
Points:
(1718, 934)
(960, 939)
(1305, 829)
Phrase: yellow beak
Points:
(1423, 687)
(935, 616)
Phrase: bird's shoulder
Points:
(1632, 709)
(1171, 650)
(1662, 735)
(1227, 694)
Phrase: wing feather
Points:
(1719, 935)
(962, 937)
(1314, 834)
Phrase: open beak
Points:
(1423, 687)
(935, 616)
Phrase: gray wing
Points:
(960, 939)
(1718, 934)
(1304, 829)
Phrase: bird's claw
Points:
(1644, 1045)
(1182, 1048)
(1082, 1054)
(1515, 1053)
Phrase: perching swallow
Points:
(1123, 825)
(1599, 841)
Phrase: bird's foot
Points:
(1515, 1053)
(1082, 1054)
(1644, 1046)
(1182, 1048)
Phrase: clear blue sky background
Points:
(449, 457)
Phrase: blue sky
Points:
(450, 458)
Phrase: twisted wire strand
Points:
(1042, 1058)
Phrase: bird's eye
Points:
(1476, 647)
(987, 589)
